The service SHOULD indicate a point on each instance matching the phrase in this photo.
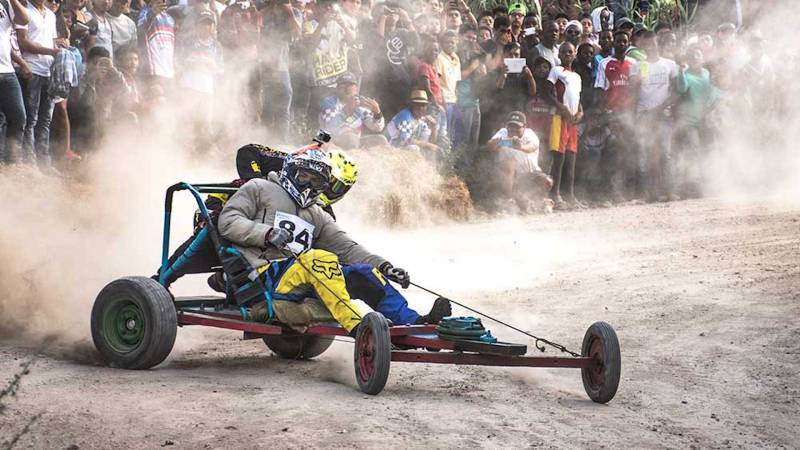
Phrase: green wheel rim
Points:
(124, 325)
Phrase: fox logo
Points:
(328, 268)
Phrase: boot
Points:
(441, 309)
(217, 282)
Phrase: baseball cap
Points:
(517, 7)
(623, 21)
(347, 78)
(516, 118)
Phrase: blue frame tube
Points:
(168, 213)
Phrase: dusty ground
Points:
(704, 295)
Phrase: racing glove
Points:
(278, 237)
(396, 274)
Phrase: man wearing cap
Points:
(624, 24)
(345, 115)
(413, 128)
(517, 149)
(573, 32)
(516, 12)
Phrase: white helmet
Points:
(306, 175)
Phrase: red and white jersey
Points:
(614, 77)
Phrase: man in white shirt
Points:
(12, 107)
(123, 28)
(39, 43)
(656, 95)
(519, 176)
(99, 20)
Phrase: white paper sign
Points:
(302, 231)
(514, 65)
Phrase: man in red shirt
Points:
(617, 78)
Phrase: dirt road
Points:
(704, 295)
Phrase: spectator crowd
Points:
(553, 103)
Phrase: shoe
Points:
(673, 197)
(441, 309)
(217, 282)
(72, 156)
(561, 205)
(258, 312)
(603, 204)
(548, 205)
(574, 203)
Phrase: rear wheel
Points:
(134, 323)
(373, 353)
(305, 346)
(602, 380)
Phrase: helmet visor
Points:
(337, 190)
(306, 177)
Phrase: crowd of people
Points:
(535, 105)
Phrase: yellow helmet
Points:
(343, 176)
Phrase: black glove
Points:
(395, 274)
(278, 237)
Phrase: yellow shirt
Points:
(449, 68)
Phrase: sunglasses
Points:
(517, 14)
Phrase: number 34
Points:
(301, 238)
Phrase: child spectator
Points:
(448, 65)
(412, 128)
(564, 130)
(519, 176)
(346, 114)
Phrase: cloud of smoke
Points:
(755, 156)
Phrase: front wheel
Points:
(602, 380)
(373, 353)
(134, 323)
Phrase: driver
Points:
(280, 230)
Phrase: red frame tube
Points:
(402, 335)
(475, 359)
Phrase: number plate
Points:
(302, 231)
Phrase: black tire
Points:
(372, 355)
(134, 323)
(305, 346)
(602, 381)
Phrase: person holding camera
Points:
(346, 114)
